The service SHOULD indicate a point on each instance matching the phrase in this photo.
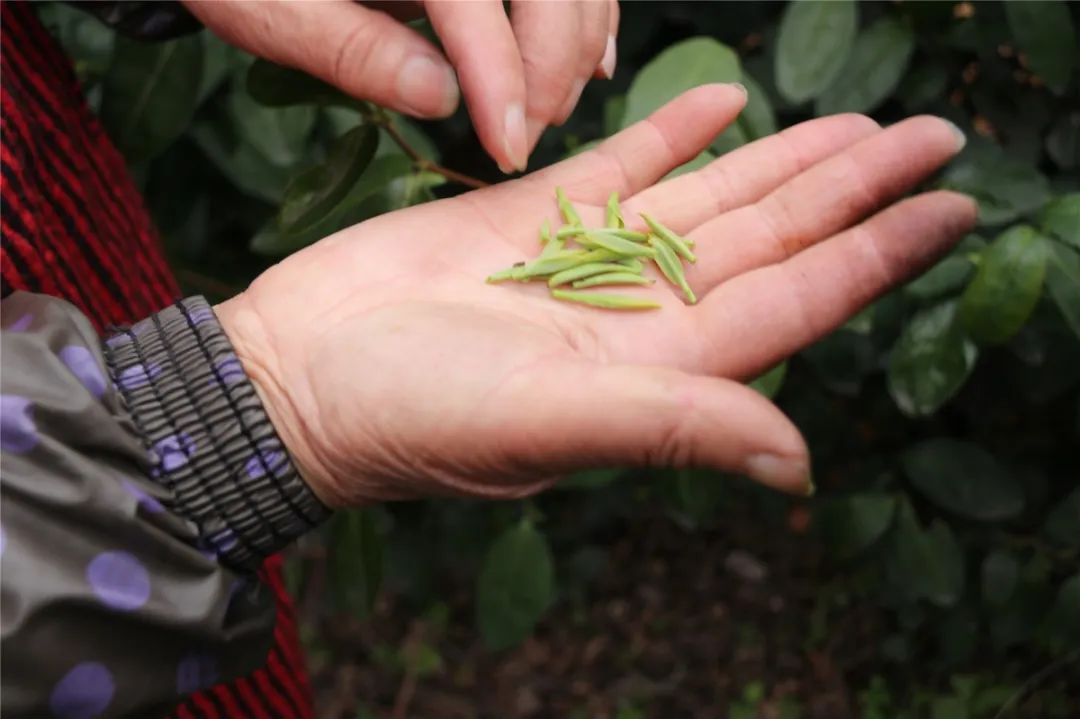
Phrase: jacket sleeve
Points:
(142, 485)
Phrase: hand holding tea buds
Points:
(391, 369)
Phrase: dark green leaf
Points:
(687, 64)
(241, 163)
(279, 134)
(963, 478)
(872, 71)
(219, 60)
(925, 563)
(944, 278)
(354, 562)
(1045, 32)
(1063, 142)
(923, 84)
(851, 525)
(1061, 219)
(1004, 187)
(1063, 283)
(842, 360)
(151, 91)
(314, 192)
(277, 86)
(813, 45)
(1062, 623)
(515, 587)
(593, 479)
(930, 362)
(1063, 522)
(769, 383)
(378, 176)
(1006, 287)
(1000, 572)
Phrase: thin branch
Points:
(422, 162)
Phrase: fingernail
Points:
(741, 88)
(514, 140)
(785, 473)
(961, 138)
(607, 62)
(427, 88)
(571, 100)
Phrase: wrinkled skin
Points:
(392, 370)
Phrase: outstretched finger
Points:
(827, 198)
(758, 318)
(749, 173)
(641, 154)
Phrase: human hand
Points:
(391, 370)
(518, 74)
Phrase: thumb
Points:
(365, 53)
(588, 416)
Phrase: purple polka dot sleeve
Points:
(142, 483)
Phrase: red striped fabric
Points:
(73, 226)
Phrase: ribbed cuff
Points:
(210, 440)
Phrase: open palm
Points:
(392, 370)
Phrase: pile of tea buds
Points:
(583, 258)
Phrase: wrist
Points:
(286, 400)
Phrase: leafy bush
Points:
(944, 420)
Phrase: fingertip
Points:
(427, 87)
(789, 474)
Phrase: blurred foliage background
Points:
(937, 572)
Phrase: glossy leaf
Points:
(1062, 624)
(1004, 187)
(1062, 524)
(684, 65)
(277, 86)
(813, 44)
(873, 70)
(851, 525)
(930, 362)
(1063, 283)
(1045, 32)
(150, 93)
(1060, 219)
(964, 479)
(1000, 572)
(314, 192)
(377, 178)
(925, 563)
(354, 561)
(1006, 287)
(515, 587)
(242, 164)
(1063, 141)
(922, 85)
(946, 277)
(279, 134)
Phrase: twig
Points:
(422, 162)
(1035, 679)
